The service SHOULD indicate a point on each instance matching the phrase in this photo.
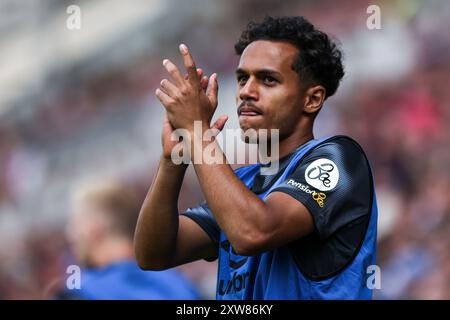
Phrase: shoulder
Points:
(340, 145)
(327, 163)
(246, 171)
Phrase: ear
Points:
(314, 97)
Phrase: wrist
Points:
(169, 164)
(206, 150)
(197, 131)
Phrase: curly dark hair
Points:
(319, 60)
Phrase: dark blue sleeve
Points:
(203, 216)
(334, 183)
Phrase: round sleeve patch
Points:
(322, 174)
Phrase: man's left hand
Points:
(185, 99)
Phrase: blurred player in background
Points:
(307, 231)
(100, 232)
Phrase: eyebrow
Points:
(259, 73)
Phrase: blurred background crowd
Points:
(79, 104)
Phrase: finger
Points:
(204, 83)
(163, 98)
(167, 122)
(220, 123)
(174, 72)
(213, 89)
(199, 73)
(168, 88)
(189, 64)
(166, 119)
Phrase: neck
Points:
(112, 250)
(289, 143)
(292, 142)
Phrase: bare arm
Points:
(251, 224)
(164, 239)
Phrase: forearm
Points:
(157, 226)
(241, 214)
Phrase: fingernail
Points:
(183, 48)
(165, 61)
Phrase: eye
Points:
(241, 80)
(269, 80)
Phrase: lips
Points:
(249, 111)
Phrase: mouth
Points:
(248, 111)
(249, 114)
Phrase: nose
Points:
(250, 90)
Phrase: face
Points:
(82, 231)
(269, 94)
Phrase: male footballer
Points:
(307, 231)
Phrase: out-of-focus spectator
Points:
(100, 232)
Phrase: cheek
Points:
(82, 234)
(237, 96)
(284, 109)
